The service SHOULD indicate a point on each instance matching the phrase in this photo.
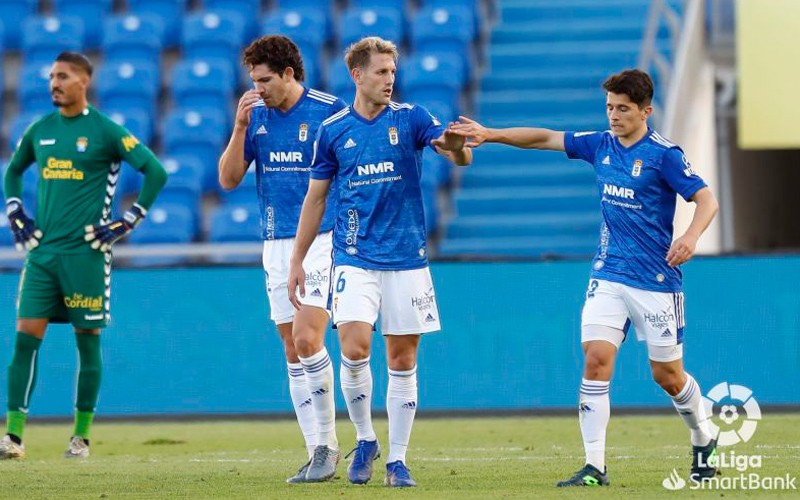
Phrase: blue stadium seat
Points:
(90, 12)
(243, 194)
(133, 38)
(128, 86)
(165, 223)
(184, 185)
(44, 37)
(436, 168)
(431, 77)
(446, 31)
(249, 10)
(356, 23)
(33, 87)
(137, 121)
(340, 83)
(210, 35)
(196, 134)
(7, 243)
(236, 224)
(204, 84)
(443, 111)
(20, 124)
(13, 13)
(324, 7)
(303, 25)
(169, 11)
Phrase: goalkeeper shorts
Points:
(66, 288)
(318, 266)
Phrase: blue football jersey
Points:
(637, 188)
(375, 166)
(282, 146)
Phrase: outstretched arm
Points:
(682, 249)
(521, 137)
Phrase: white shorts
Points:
(657, 317)
(405, 300)
(317, 264)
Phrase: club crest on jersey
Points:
(637, 168)
(303, 133)
(81, 144)
(393, 137)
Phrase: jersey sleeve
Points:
(323, 160)
(426, 127)
(249, 150)
(678, 173)
(582, 145)
(21, 159)
(128, 147)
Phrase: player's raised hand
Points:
(475, 133)
(246, 104)
(681, 250)
(297, 279)
(102, 236)
(449, 140)
(26, 234)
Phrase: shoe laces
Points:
(400, 471)
(321, 454)
(360, 451)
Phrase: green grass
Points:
(450, 458)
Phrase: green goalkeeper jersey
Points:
(79, 165)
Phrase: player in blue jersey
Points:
(274, 127)
(373, 150)
(636, 278)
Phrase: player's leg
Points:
(604, 325)
(665, 330)
(39, 299)
(86, 285)
(409, 309)
(356, 301)
(308, 332)
(282, 313)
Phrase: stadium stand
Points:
(169, 11)
(44, 37)
(136, 39)
(12, 12)
(357, 22)
(89, 12)
(128, 88)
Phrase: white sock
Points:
(594, 412)
(301, 400)
(689, 403)
(401, 407)
(319, 378)
(356, 380)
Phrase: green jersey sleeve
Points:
(128, 147)
(21, 159)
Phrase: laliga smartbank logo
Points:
(733, 418)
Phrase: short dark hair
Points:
(76, 59)
(277, 52)
(634, 83)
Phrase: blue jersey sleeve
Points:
(582, 145)
(678, 173)
(323, 160)
(426, 126)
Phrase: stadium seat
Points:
(356, 23)
(169, 11)
(323, 7)
(204, 84)
(213, 34)
(138, 39)
(303, 25)
(90, 12)
(435, 168)
(7, 243)
(13, 13)
(248, 10)
(33, 87)
(165, 223)
(200, 135)
(44, 37)
(243, 194)
(451, 31)
(237, 224)
(184, 184)
(128, 86)
(433, 78)
(20, 124)
(137, 121)
(340, 83)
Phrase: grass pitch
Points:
(460, 458)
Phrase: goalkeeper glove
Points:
(103, 236)
(26, 234)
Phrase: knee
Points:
(597, 367)
(672, 382)
(402, 361)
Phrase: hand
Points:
(681, 250)
(102, 236)
(26, 234)
(475, 133)
(297, 279)
(246, 104)
(449, 140)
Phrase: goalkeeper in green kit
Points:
(67, 273)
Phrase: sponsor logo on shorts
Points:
(429, 318)
(79, 301)
(424, 302)
(93, 317)
(316, 293)
(660, 319)
(317, 279)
